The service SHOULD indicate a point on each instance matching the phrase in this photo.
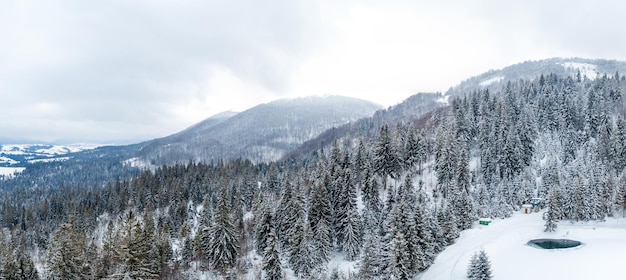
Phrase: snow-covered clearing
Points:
(505, 241)
(491, 81)
(9, 171)
(585, 69)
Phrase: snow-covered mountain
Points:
(263, 133)
(20, 154)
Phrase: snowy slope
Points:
(10, 171)
(15, 154)
(600, 256)
(586, 69)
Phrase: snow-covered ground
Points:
(505, 241)
(491, 81)
(585, 69)
(10, 171)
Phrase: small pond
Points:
(546, 243)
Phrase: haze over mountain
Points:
(263, 133)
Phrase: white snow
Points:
(21, 149)
(444, 99)
(585, 69)
(7, 160)
(10, 171)
(505, 242)
(491, 81)
(338, 261)
(48, 159)
(139, 163)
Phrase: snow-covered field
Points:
(9, 171)
(491, 81)
(585, 69)
(505, 241)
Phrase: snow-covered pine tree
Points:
(163, 250)
(263, 225)
(372, 263)
(479, 267)
(400, 262)
(320, 205)
(290, 211)
(620, 196)
(133, 251)
(386, 157)
(223, 247)
(271, 258)
(322, 241)
(301, 255)
(18, 265)
(65, 259)
(369, 191)
(550, 220)
(352, 236)
(447, 220)
(349, 219)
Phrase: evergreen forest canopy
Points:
(390, 202)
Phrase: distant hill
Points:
(413, 109)
(22, 154)
(529, 70)
(421, 107)
(263, 133)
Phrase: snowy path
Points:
(600, 257)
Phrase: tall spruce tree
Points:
(133, 251)
(65, 254)
(271, 258)
(223, 247)
(400, 262)
(386, 156)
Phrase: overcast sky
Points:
(126, 71)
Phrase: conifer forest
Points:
(385, 199)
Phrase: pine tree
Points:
(386, 157)
(371, 265)
(263, 225)
(352, 236)
(320, 206)
(400, 263)
(290, 212)
(223, 247)
(480, 267)
(163, 250)
(371, 197)
(65, 260)
(550, 220)
(322, 241)
(301, 254)
(448, 224)
(349, 220)
(133, 251)
(271, 258)
(20, 266)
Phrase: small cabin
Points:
(537, 203)
(484, 221)
(527, 208)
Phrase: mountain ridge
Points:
(262, 133)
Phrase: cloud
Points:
(110, 62)
(125, 71)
